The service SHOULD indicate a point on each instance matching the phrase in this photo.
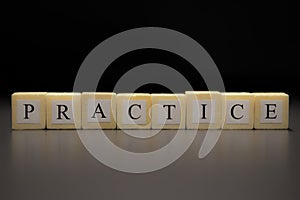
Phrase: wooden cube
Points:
(271, 111)
(239, 110)
(29, 110)
(133, 111)
(63, 110)
(168, 111)
(98, 110)
(204, 110)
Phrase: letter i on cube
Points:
(204, 110)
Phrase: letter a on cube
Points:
(98, 110)
(29, 110)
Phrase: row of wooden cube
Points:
(192, 110)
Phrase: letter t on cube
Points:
(168, 111)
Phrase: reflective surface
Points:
(50, 164)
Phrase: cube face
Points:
(98, 110)
(271, 111)
(239, 110)
(29, 110)
(204, 110)
(63, 110)
(168, 111)
(134, 111)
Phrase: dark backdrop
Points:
(44, 43)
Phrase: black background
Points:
(255, 46)
(44, 43)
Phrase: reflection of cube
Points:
(168, 111)
(29, 110)
(239, 110)
(64, 110)
(134, 111)
(98, 110)
(271, 111)
(204, 110)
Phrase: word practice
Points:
(192, 110)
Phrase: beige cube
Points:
(29, 110)
(204, 110)
(63, 110)
(239, 110)
(134, 111)
(271, 111)
(168, 111)
(98, 110)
